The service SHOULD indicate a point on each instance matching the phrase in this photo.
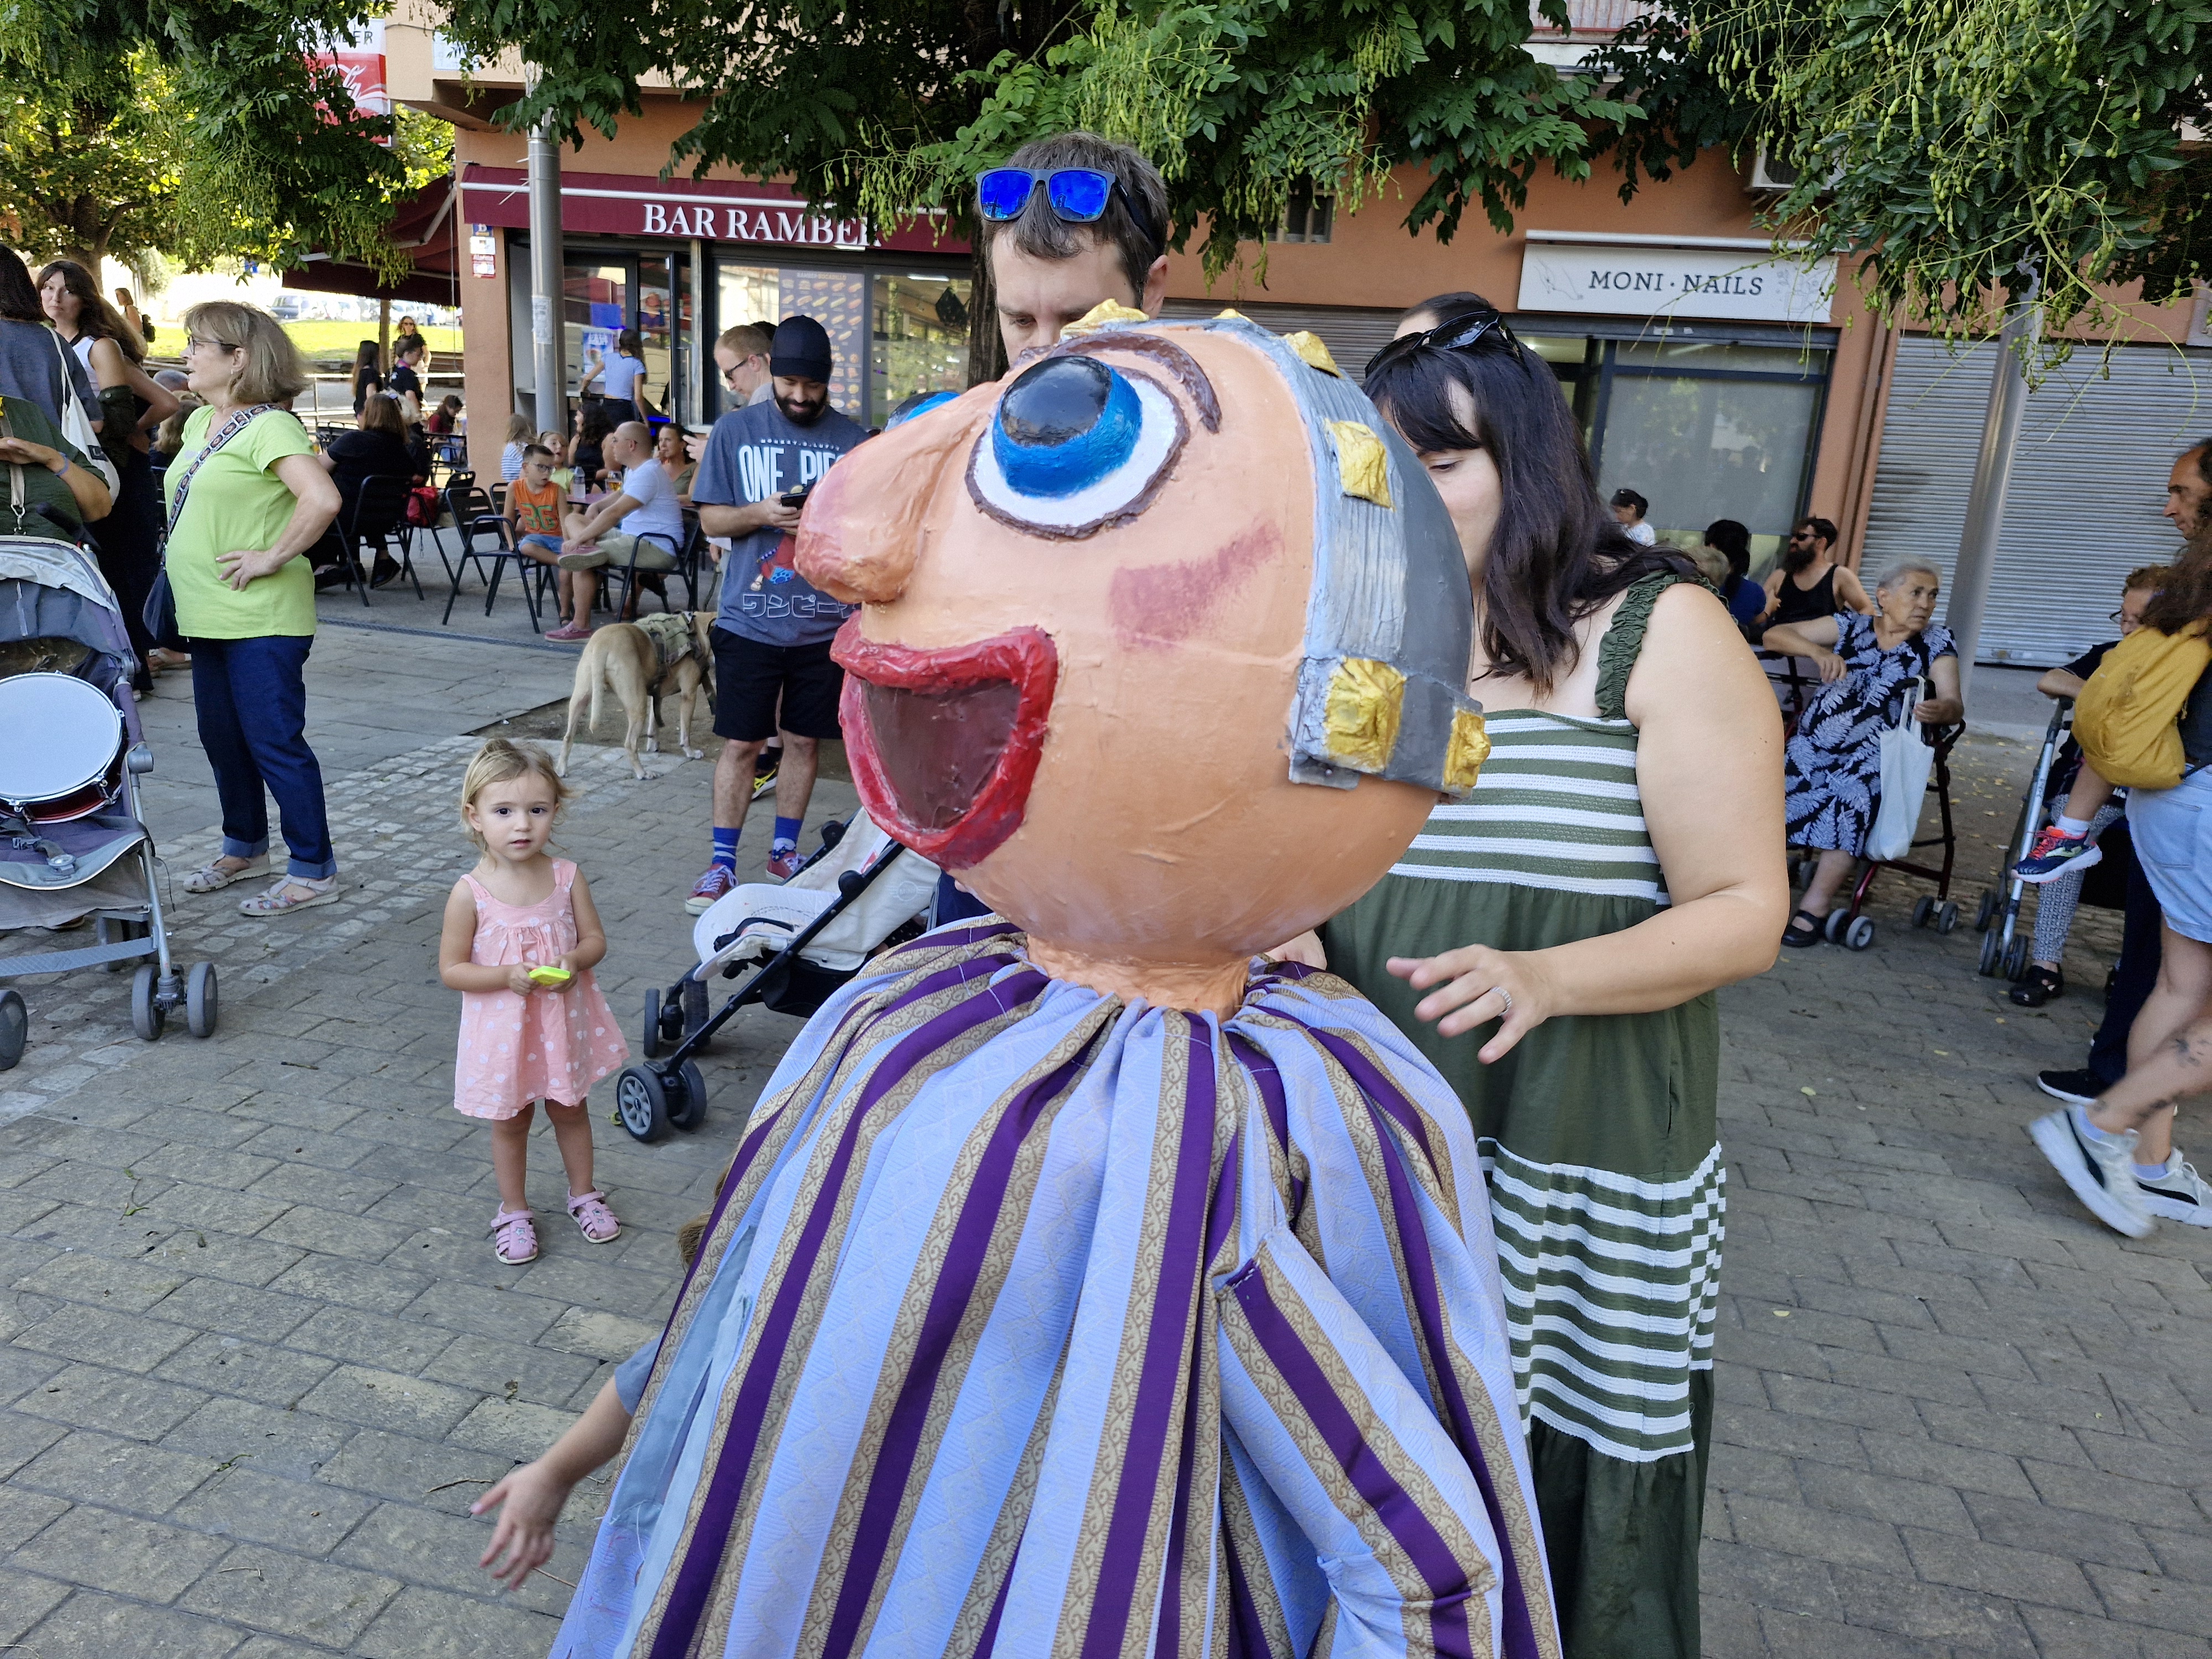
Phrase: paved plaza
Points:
(259, 1358)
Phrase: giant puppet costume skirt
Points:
(1032, 1323)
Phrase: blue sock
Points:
(2154, 1171)
(725, 849)
(2090, 1132)
(786, 834)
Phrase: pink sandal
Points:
(514, 1240)
(593, 1220)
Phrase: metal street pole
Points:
(1985, 501)
(547, 335)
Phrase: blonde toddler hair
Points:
(501, 762)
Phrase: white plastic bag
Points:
(1907, 761)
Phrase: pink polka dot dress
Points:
(549, 1045)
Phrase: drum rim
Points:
(99, 777)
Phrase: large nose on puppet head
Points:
(861, 532)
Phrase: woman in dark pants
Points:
(257, 499)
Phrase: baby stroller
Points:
(800, 938)
(72, 846)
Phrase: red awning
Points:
(426, 229)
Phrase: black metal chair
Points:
(378, 514)
(627, 574)
(476, 522)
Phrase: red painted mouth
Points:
(944, 744)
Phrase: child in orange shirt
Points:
(534, 505)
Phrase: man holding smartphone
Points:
(772, 630)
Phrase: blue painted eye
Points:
(1074, 445)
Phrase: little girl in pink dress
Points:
(521, 936)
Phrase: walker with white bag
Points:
(73, 848)
(1913, 755)
(802, 938)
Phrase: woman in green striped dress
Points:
(1553, 945)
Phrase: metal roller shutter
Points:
(1352, 336)
(2087, 483)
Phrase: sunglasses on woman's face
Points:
(1461, 334)
(1077, 196)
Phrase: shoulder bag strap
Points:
(236, 424)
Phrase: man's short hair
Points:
(1823, 528)
(1139, 238)
(528, 450)
(744, 340)
(2201, 449)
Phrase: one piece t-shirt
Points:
(658, 512)
(621, 376)
(237, 502)
(753, 453)
(536, 513)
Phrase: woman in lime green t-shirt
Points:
(258, 499)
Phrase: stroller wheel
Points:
(1988, 912)
(14, 1029)
(2015, 960)
(148, 1016)
(687, 1098)
(1922, 908)
(650, 1047)
(1837, 922)
(1947, 916)
(641, 1103)
(200, 1000)
(1859, 934)
(1992, 948)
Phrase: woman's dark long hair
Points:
(19, 296)
(1732, 541)
(96, 316)
(1557, 554)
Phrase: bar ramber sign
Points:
(1693, 277)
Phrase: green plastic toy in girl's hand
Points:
(551, 978)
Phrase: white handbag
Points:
(1907, 761)
(77, 424)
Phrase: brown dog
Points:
(643, 661)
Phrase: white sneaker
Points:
(2102, 1176)
(2180, 1195)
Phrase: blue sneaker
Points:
(2054, 854)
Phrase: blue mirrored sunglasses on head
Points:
(1078, 195)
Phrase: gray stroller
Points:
(73, 850)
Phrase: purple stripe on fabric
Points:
(1162, 1371)
(1378, 1088)
(702, 1559)
(1268, 1080)
(1248, 1631)
(1397, 1508)
(1520, 1632)
(988, 1642)
(948, 1305)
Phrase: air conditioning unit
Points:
(1770, 175)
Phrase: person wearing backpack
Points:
(2144, 721)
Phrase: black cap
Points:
(801, 350)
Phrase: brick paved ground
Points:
(258, 1358)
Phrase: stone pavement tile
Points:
(568, 1278)
(296, 1145)
(213, 1304)
(255, 1371)
(302, 1515)
(442, 1552)
(602, 1335)
(20, 1311)
(1932, 1612)
(2181, 1555)
(1888, 1374)
(118, 1553)
(510, 1370)
(208, 1166)
(208, 1210)
(224, 1256)
(350, 1191)
(315, 1113)
(430, 1473)
(97, 1626)
(290, 1595)
(2062, 1635)
(1910, 1458)
(494, 1312)
(2142, 1598)
(1774, 1432)
(1765, 1579)
(26, 1598)
(1729, 1629)
(1995, 1569)
(1924, 1504)
(2018, 1525)
(426, 1624)
(101, 1281)
(1793, 1636)
(269, 1647)
(350, 1283)
(1814, 1535)
(2051, 1442)
(101, 1337)
(103, 1232)
(512, 1428)
(401, 1344)
(120, 1474)
(2112, 1495)
(270, 1441)
(89, 1397)
(388, 1400)
(333, 1232)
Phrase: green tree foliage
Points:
(205, 127)
(1964, 147)
(885, 108)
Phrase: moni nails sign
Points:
(1710, 278)
(618, 204)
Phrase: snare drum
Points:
(61, 747)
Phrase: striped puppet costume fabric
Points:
(1035, 1323)
(1599, 1137)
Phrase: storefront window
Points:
(836, 299)
(655, 335)
(921, 328)
(594, 307)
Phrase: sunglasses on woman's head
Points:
(1462, 333)
(1077, 196)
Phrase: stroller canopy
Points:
(52, 590)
